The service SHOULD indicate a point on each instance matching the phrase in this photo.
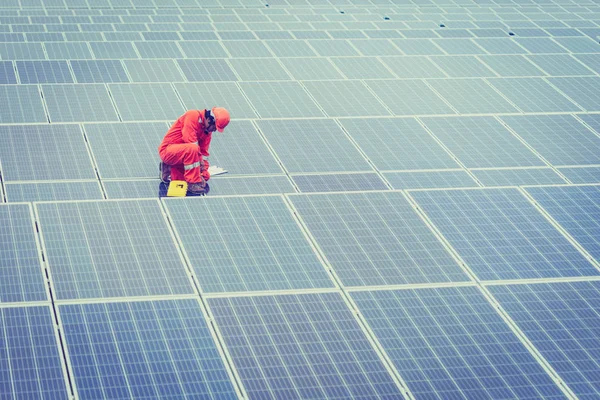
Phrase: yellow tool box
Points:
(177, 189)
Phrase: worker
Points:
(185, 145)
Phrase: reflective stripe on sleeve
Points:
(191, 166)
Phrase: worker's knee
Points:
(192, 148)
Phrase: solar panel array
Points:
(411, 209)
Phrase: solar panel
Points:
(44, 72)
(21, 103)
(300, 346)
(362, 68)
(560, 65)
(206, 70)
(290, 48)
(20, 268)
(377, 47)
(500, 235)
(481, 142)
(311, 68)
(590, 60)
(246, 244)
(514, 177)
(259, 69)
(210, 94)
(51, 191)
(79, 102)
(451, 343)
(540, 45)
(44, 152)
(533, 95)
(31, 363)
(332, 47)
(203, 49)
(430, 179)
(339, 182)
(280, 99)
(560, 319)
(99, 71)
(143, 349)
(326, 150)
(146, 101)
(458, 46)
(7, 73)
(161, 49)
(398, 144)
(409, 97)
(417, 47)
(578, 44)
(512, 65)
(463, 66)
(22, 51)
(250, 185)
(102, 249)
(153, 71)
(111, 50)
(561, 139)
(582, 174)
(126, 150)
(376, 239)
(575, 208)
(242, 151)
(347, 98)
(500, 46)
(413, 67)
(471, 96)
(247, 48)
(67, 50)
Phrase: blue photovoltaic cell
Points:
(79, 103)
(44, 72)
(582, 174)
(593, 120)
(245, 244)
(22, 51)
(280, 99)
(301, 346)
(99, 71)
(21, 103)
(114, 50)
(501, 235)
(209, 94)
(67, 50)
(44, 152)
(242, 151)
(345, 98)
(30, 361)
(53, 191)
(575, 208)
(149, 349)
(20, 269)
(376, 239)
(429, 179)
(517, 177)
(326, 149)
(561, 139)
(398, 144)
(451, 343)
(7, 73)
(559, 64)
(110, 249)
(339, 182)
(134, 189)
(481, 142)
(153, 71)
(561, 320)
(126, 150)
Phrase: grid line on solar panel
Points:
(561, 320)
(255, 245)
(315, 347)
(155, 349)
(375, 239)
(31, 361)
(500, 234)
(146, 101)
(21, 104)
(110, 248)
(452, 343)
(79, 102)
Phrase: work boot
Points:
(197, 189)
(165, 172)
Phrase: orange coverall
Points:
(184, 147)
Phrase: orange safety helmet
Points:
(222, 118)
